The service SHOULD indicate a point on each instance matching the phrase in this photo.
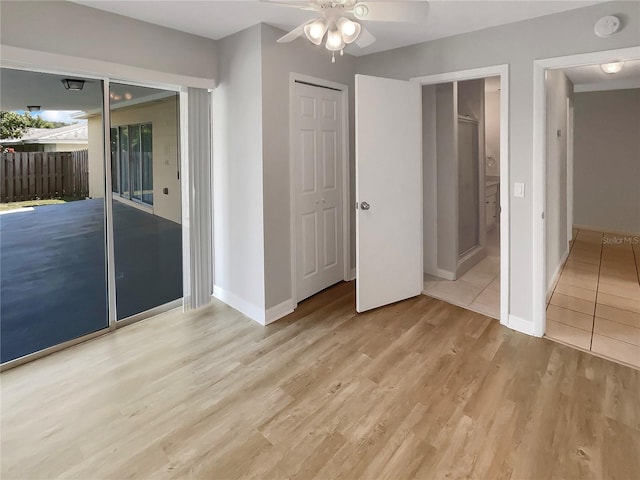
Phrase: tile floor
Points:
(479, 288)
(595, 304)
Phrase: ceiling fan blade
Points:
(403, 11)
(293, 34)
(365, 38)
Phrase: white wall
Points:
(518, 45)
(607, 160)
(238, 198)
(76, 30)
(492, 131)
(559, 88)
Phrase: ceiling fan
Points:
(339, 22)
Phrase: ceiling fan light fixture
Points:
(315, 30)
(349, 29)
(612, 68)
(335, 41)
(360, 11)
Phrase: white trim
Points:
(539, 164)
(441, 273)
(281, 310)
(185, 194)
(521, 325)
(44, 62)
(352, 275)
(348, 272)
(248, 309)
(505, 222)
(570, 163)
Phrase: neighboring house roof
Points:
(78, 133)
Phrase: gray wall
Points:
(518, 45)
(607, 160)
(237, 171)
(559, 89)
(251, 160)
(278, 61)
(492, 131)
(447, 174)
(71, 29)
(429, 180)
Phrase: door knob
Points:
(365, 206)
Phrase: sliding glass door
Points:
(71, 226)
(53, 275)
(146, 198)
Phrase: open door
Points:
(388, 191)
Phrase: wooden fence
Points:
(41, 175)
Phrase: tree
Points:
(14, 125)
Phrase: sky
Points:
(56, 115)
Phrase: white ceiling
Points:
(590, 78)
(217, 19)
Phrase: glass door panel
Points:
(146, 214)
(53, 286)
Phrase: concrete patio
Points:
(53, 276)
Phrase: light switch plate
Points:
(518, 190)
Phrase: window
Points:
(132, 162)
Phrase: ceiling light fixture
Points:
(612, 68)
(73, 84)
(338, 33)
(33, 108)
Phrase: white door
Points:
(388, 191)
(317, 146)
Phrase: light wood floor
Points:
(596, 302)
(419, 389)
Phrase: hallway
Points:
(595, 304)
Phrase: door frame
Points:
(540, 159)
(347, 274)
(40, 62)
(570, 136)
(476, 73)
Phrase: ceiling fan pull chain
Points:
(333, 57)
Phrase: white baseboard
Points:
(281, 310)
(246, 308)
(440, 273)
(521, 325)
(556, 274)
(353, 275)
